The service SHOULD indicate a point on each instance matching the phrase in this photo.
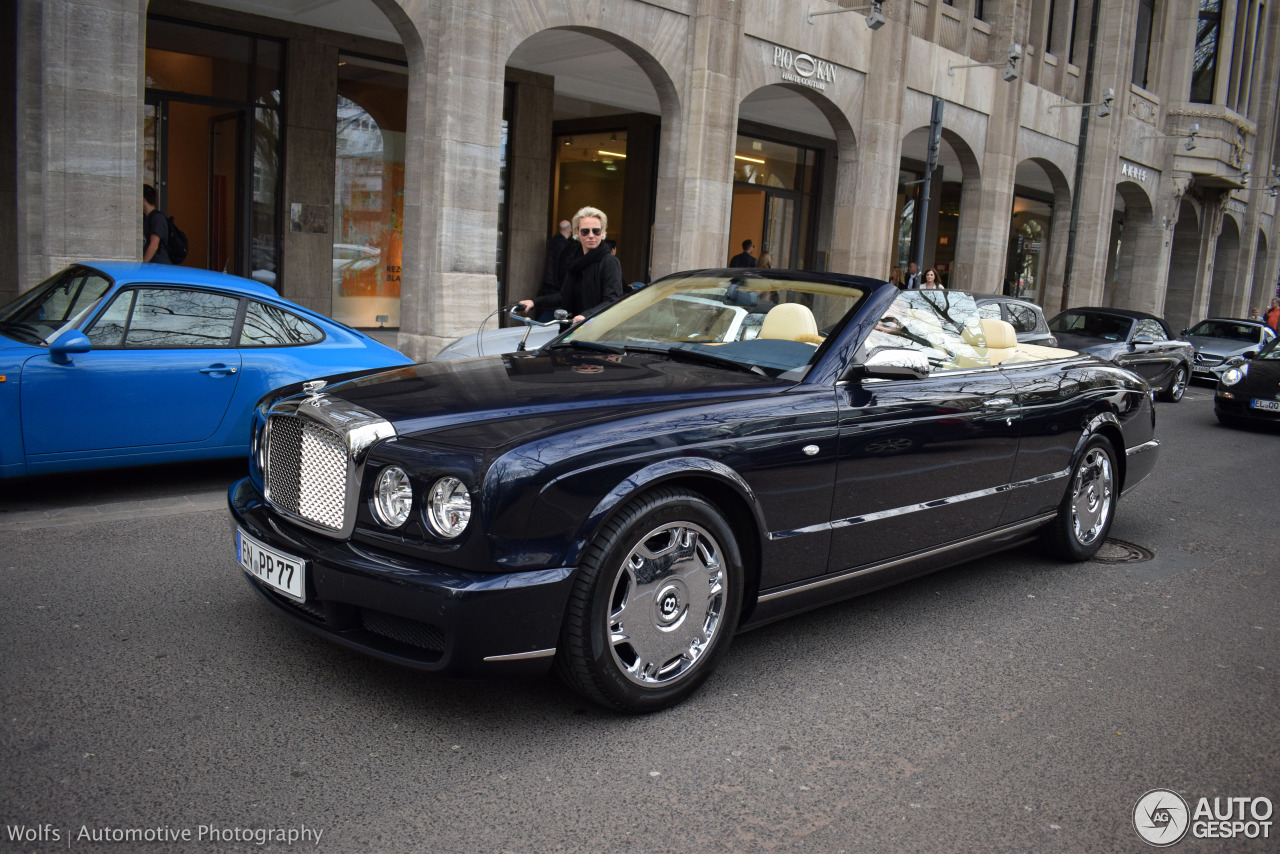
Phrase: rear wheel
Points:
(1085, 514)
(655, 603)
(1177, 386)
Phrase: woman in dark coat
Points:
(593, 279)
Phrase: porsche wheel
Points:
(1177, 386)
(655, 604)
(1085, 514)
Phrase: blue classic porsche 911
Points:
(719, 450)
(119, 364)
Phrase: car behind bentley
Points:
(1249, 388)
(716, 451)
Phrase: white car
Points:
(683, 316)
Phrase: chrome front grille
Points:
(314, 455)
(307, 470)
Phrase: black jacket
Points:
(591, 282)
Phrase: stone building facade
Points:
(402, 162)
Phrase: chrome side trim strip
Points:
(924, 505)
(849, 574)
(1145, 446)
(522, 656)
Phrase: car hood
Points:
(1220, 346)
(496, 341)
(1263, 379)
(485, 402)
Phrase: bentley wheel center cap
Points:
(669, 605)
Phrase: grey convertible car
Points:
(1135, 340)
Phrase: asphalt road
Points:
(1010, 704)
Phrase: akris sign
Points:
(803, 69)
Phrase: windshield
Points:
(36, 315)
(1108, 327)
(769, 325)
(1244, 332)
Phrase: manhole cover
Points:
(1118, 551)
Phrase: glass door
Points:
(225, 169)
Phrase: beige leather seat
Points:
(791, 321)
(1002, 340)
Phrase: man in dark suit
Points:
(913, 276)
(746, 259)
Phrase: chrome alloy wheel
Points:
(666, 605)
(1179, 385)
(1091, 496)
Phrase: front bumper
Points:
(1239, 407)
(415, 613)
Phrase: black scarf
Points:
(586, 259)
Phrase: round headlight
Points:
(392, 497)
(449, 507)
(1231, 376)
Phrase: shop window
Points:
(368, 204)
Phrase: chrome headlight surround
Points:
(392, 497)
(448, 508)
(1233, 374)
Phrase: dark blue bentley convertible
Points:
(718, 450)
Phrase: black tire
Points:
(1088, 507)
(1177, 386)
(691, 571)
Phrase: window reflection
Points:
(369, 191)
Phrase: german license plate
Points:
(277, 570)
(1268, 405)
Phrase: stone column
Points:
(79, 99)
(529, 184)
(695, 201)
(983, 243)
(871, 235)
(448, 283)
(310, 137)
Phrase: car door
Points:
(922, 461)
(162, 371)
(1150, 353)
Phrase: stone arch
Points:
(1038, 183)
(1135, 242)
(812, 114)
(1184, 263)
(1227, 270)
(955, 153)
(656, 46)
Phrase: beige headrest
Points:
(999, 333)
(789, 321)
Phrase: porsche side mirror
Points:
(1142, 339)
(892, 363)
(63, 346)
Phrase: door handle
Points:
(219, 369)
(997, 403)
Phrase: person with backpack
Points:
(155, 229)
(162, 241)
